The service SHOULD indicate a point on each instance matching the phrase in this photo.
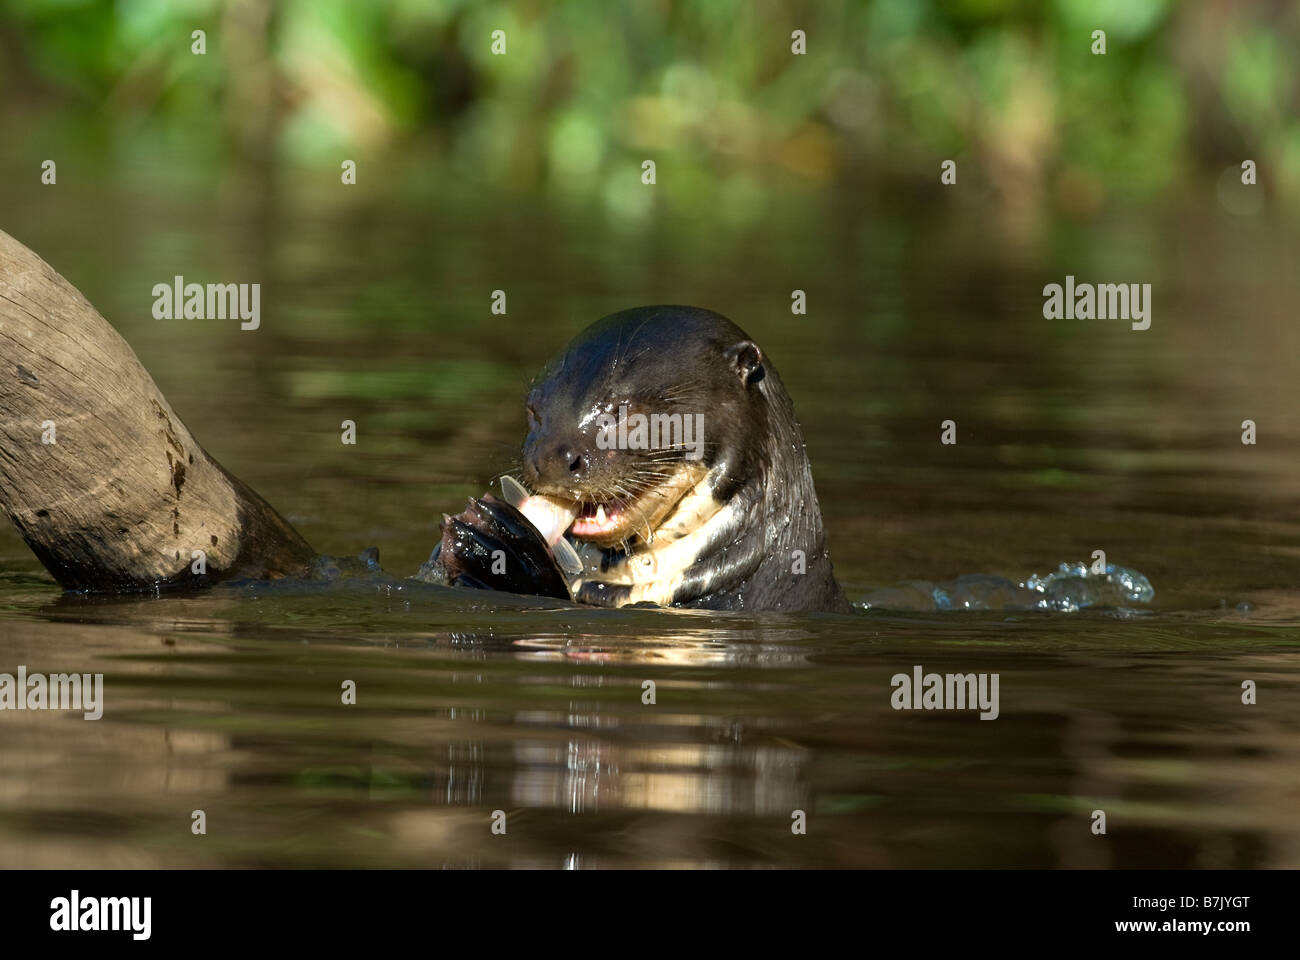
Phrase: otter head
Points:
(675, 440)
(637, 411)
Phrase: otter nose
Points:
(560, 464)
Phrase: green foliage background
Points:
(589, 88)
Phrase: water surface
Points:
(1073, 437)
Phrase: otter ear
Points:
(747, 360)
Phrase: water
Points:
(1072, 437)
(1069, 589)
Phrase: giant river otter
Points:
(663, 466)
(666, 467)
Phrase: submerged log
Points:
(97, 472)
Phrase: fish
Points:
(550, 516)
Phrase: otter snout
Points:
(556, 464)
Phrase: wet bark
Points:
(97, 472)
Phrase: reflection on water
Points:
(230, 703)
(1073, 437)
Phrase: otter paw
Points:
(604, 594)
(492, 546)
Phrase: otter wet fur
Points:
(670, 437)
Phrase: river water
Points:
(1072, 437)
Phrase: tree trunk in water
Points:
(100, 476)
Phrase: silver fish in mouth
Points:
(551, 516)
